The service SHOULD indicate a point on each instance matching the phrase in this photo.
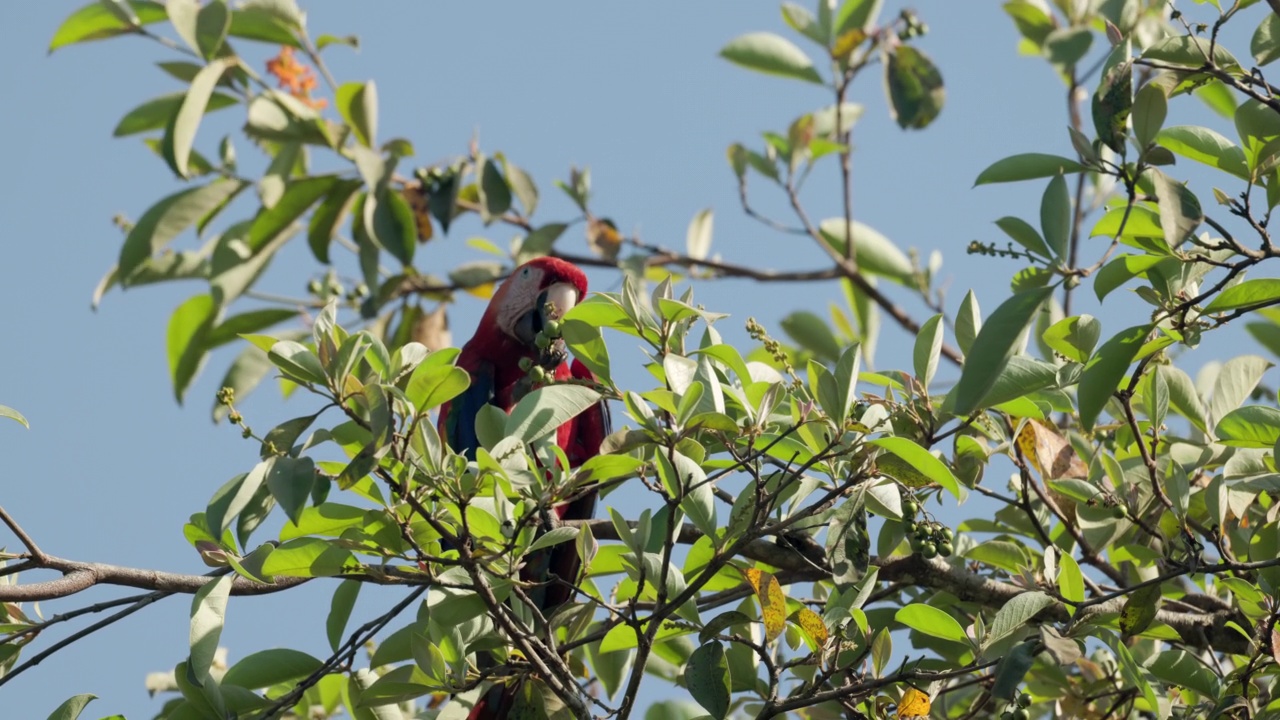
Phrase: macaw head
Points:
(540, 290)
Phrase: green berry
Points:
(1117, 511)
(1021, 714)
(909, 526)
(1024, 700)
(945, 548)
(542, 341)
(538, 374)
(314, 287)
(929, 551)
(552, 328)
(947, 534)
(526, 363)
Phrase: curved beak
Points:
(551, 304)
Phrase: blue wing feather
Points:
(460, 419)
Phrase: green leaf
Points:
(495, 193)
(915, 87)
(586, 342)
(1014, 615)
(1000, 339)
(555, 536)
(812, 333)
(162, 222)
(1070, 579)
(856, 15)
(1236, 381)
(271, 667)
(1265, 44)
(432, 385)
(546, 409)
(1120, 271)
(1140, 609)
(1113, 101)
(12, 414)
(1065, 47)
(297, 362)
(707, 677)
(1204, 146)
(928, 349)
(525, 190)
(308, 557)
(1075, 337)
(71, 708)
(1190, 51)
(968, 321)
(180, 136)
(923, 461)
(1249, 294)
(299, 195)
(156, 113)
(211, 28)
(96, 21)
(875, 253)
(344, 600)
(1025, 235)
(1254, 426)
(1180, 212)
(328, 217)
(186, 343)
(358, 104)
(264, 25)
(771, 54)
(1150, 108)
(208, 612)
(1055, 215)
(1106, 369)
(1027, 166)
(931, 621)
(698, 236)
(290, 481)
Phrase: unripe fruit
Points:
(526, 363)
(945, 548)
(1024, 700)
(542, 341)
(929, 551)
(1021, 714)
(552, 328)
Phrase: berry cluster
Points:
(928, 538)
(544, 341)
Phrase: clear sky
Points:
(112, 467)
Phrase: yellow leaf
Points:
(811, 623)
(773, 604)
(914, 705)
(847, 42)
(1050, 453)
(484, 292)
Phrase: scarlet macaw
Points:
(538, 291)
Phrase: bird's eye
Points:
(524, 273)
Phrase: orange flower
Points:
(297, 78)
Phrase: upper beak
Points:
(551, 304)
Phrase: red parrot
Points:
(542, 289)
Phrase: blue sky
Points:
(112, 467)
